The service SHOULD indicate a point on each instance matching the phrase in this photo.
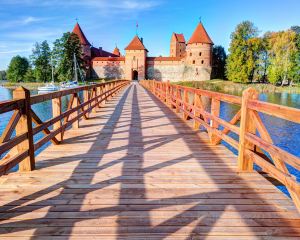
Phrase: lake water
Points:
(285, 134)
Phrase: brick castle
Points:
(191, 61)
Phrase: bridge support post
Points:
(246, 126)
(86, 97)
(75, 124)
(184, 104)
(168, 100)
(215, 111)
(56, 111)
(178, 97)
(25, 125)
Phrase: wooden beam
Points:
(25, 125)
(246, 125)
(46, 131)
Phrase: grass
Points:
(219, 85)
(28, 85)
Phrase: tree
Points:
(218, 62)
(3, 75)
(282, 49)
(17, 69)
(63, 55)
(30, 75)
(41, 60)
(295, 58)
(238, 68)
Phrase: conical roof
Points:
(200, 36)
(83, 40)
(117, 51)
(136, 44)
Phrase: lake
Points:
(285, 134)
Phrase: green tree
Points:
(17, 69)
(295, 58)
(218, 62)
(41, 60)
(63, 55)
(30, 75)
(3, 75)
(282, 49)
(238, 68)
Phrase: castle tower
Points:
(135, 60)
(86, 46)
(177, 46)
(117, 51)
(199, 48)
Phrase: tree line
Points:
(38, 67)
(271, 58)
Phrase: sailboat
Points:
(50, 87)
(73, 84)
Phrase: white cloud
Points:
(24, 21)
(125, 5)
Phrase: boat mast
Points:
(75, 66)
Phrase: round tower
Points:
(199, 48)
(199, 54)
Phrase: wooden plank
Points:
(10, 127)
(135, 170)
(25, 126)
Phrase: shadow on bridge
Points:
(136, 210)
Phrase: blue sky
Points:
(106, 23)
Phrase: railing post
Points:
(185, 103)
(246, 125)
(215, 111)
(168, 93)
(75, 125)
(56, 111)
(178, 97)
(197, 102)
(94, 95)
(86, 97)
(25, 125)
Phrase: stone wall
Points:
(173, 72)
(108, 72)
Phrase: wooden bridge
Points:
(128, 161)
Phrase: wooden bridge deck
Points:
(135, 170)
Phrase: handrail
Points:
(20, 149)
(254, 139)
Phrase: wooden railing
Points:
(255, 144)
(20, 148)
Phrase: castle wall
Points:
(174, 71)
(165, 70)
(108, 69)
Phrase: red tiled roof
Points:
(200, 35)
(136, 44)
(108, 59)
(164, 58)
(83, 40)
(99, 52)
(179, 37)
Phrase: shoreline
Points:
(229, 87)
(216, 85)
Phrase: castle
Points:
(191, 61)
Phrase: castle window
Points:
(200, 53)
(194, 61)
(191, 54)
(202, 61)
